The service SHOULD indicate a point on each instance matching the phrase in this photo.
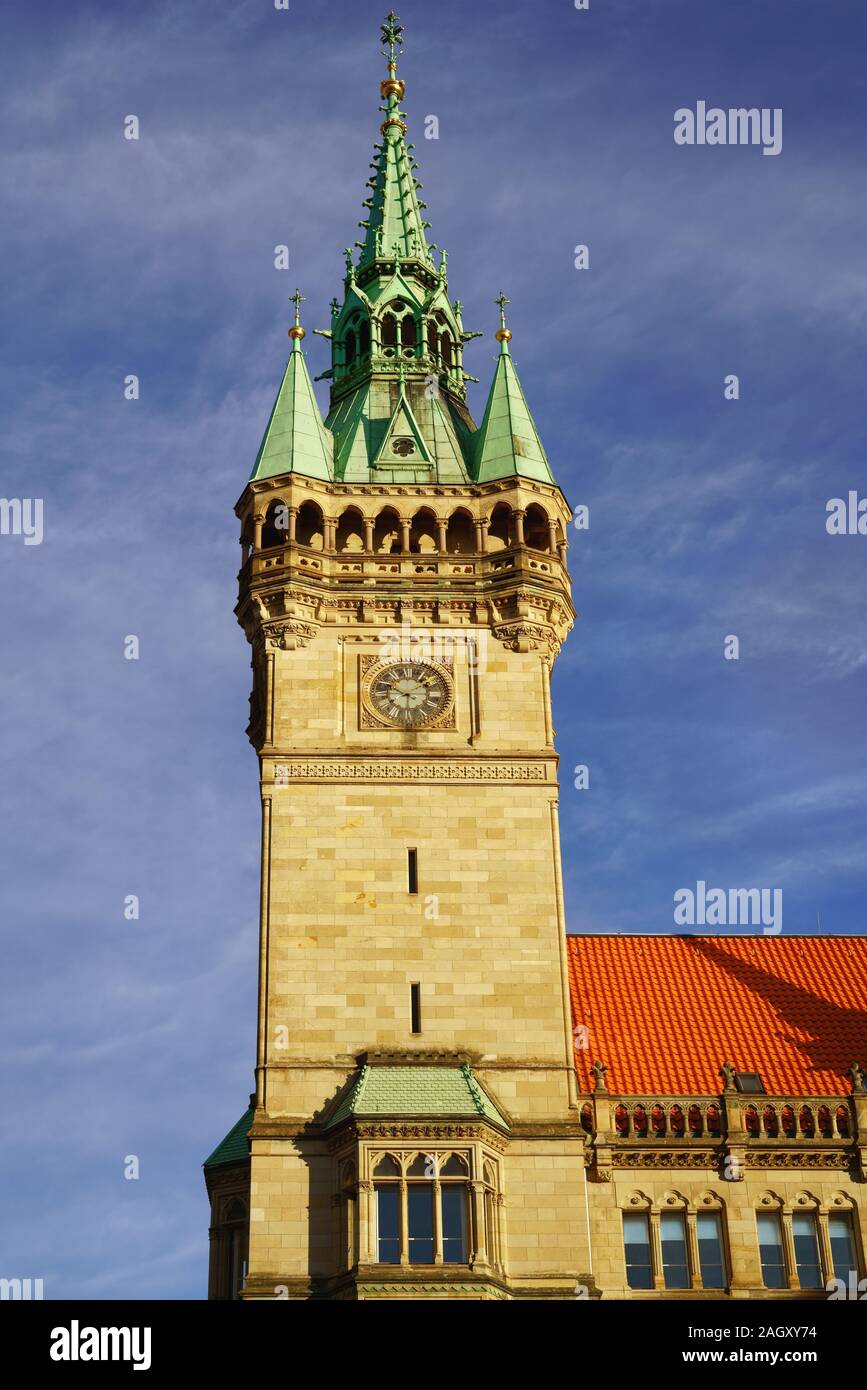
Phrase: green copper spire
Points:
(296, 441)
(508, 443)
(394, 228)
(398, 393)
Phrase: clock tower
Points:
(414, 1131)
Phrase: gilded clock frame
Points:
(372, 668)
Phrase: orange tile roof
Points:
(664, 1012)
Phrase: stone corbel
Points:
(523, 636)
(601, 1162)
(289, 636)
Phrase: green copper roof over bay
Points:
(296, 441)
(417, 1092)
(507, 441)
(234, 1148)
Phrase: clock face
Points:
(409, 694)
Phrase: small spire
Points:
(296, 332)
(393, 224)
(503, 334)
(507, 443)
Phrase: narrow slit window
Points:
(412, 870)
(415, 1007)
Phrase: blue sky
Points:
(707, 516)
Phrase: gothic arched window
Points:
(430, 1220)
(389, 331)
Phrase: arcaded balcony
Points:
(391, 546)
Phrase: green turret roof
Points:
(507, 441)
(296, 441)
(398, 411)
(234, 1148)
(417, 1091)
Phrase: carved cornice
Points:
(602, 1159)
(456, 1288)
(695, 1158)
(410, 770)
(448, 1130)
(261, 490)
(801, 1158)
(231, 1179)
(284, 612)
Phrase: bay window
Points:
(426, 1210)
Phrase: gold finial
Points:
(392, 36)
(392, 39)
(296, 331)
(503, 334)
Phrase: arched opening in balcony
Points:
(387, 533)
(536, 533)
(461, 533)
(350, 531)
(275, 529)
(423, 539)
(309, 528)
(500, 528)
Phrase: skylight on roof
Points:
(749, 1083)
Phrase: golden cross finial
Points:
(297, 332)
(503, 334)
(392, 35)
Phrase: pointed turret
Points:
(398, 393)
(507, 443)
(394, 226)
(296, 441)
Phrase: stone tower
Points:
(414, 1129)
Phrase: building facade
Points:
(423, 1123)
